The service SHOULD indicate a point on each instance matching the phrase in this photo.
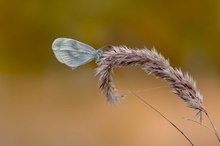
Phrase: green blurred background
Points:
(43, 102)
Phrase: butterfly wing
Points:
(72, 53)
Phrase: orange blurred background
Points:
(43, 102)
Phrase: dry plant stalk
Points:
(153, 63)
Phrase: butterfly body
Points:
(74, 53)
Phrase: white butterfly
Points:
(74, 53)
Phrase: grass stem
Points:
(146, 103)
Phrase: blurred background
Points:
(43, 102)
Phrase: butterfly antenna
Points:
(107, 47)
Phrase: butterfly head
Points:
(98, 53)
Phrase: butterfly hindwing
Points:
(72, 53)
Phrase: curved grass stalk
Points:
(153, 63)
